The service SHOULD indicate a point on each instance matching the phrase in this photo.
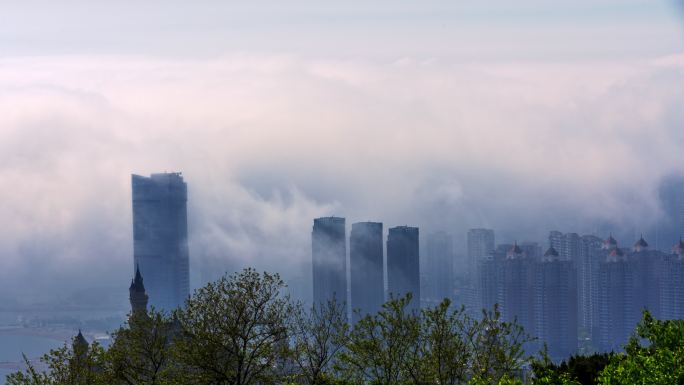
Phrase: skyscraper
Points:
(439, 268)
(616, 316)
(480, 246)
(672, 283)
(567, 245)
(518, 289)
(646, 267)
(366, 268)
(588, 263)
(403, 271)
(329, 257)
(556, 304)
(160, 237)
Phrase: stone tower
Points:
(138, 297)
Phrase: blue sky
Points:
(468, 30)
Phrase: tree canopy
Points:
(243, 330)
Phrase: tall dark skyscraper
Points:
(329, 257)
(160, 237)
(365, 259)
(439, 267)
(403, 268)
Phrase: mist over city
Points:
(522, 118)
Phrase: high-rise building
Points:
(366, 268)
(672, 283)
(630, 282)
(403, 269)
(329, 257)
(556, 304)
(480, 246)
(160, 237)
(646, 265)
(616, 316)
(531, 249)
(518, 289)
(439, 268)
(567, 245)
(590, 258)
(490, 288)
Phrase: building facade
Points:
(329, 259)
(403, 264)
(439, 268)
(556, 304)
(672, 283)
(588, 264)
(160, 237)
(518, 289)
(366, 268)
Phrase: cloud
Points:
(268, 142)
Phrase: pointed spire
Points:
(138, 297)
(609, 243)
(679, 247)
(551, 252)
(79, 340)
(641, 244)
(137, 282)
(514, 252)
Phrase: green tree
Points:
(584, 369)
(234, 331)
(446, 354)
(547, 373)
(140, 353)
(497, 347)
(654, 355)
(78, 364)
(319, 335)
(382, 347)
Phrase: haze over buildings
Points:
(518, 116)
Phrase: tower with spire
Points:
(640, 245)
(137, 294)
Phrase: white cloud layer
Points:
(268, 142)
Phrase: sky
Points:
(522, 116)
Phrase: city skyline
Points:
(520, 117)
(525, 155)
